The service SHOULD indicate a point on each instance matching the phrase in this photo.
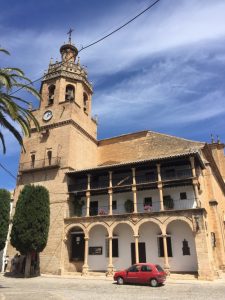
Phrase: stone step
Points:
(183, 276)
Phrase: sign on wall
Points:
(95, 251)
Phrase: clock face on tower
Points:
(47, 115)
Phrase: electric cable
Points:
(7, 171)
(91, 44)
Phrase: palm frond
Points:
(3, 142)
(4, 51)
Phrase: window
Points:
(159, 268)
(148, 201)
(49, 154)
(161, 248)
(115, 247)
(70, 92)
(32, 160)
(85, 101)
(51, 92)
(183, 196)
(133, 269)
(146, 268)
(186, 248)
(114, 204)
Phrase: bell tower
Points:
(68, 130)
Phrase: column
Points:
(136, 239)
(88, 196)
(160, 186)
(110, 265)
(134, 190)
(85, 265)
(166, 260)
(194, 181)
(110, 192)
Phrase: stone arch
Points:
(181, 238)
(70, 92)
(98, 237)
(85, 101)
(132, 226)
(51, 94)
(97, 224)
(74, 247)
(71, 226)
(152, 220)
(124, 233)
(180, 218)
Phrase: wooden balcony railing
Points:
(126, 180)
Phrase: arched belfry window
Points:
(70, 93)
(85, 100)
(51, 94)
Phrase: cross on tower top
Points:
(70, 33)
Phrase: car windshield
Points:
(159, 268)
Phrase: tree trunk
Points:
(38, 273)
(28, 265)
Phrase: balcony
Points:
(54, 162)
(123, 181)
(102, 209)
(176, 174)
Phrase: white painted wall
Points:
(179, 231)
(97, 237)
(103, 200)
(148, 233)
(125, 238)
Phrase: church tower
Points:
(68, 131)
(66, 141)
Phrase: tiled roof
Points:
(159, 158)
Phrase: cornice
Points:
(64, 123)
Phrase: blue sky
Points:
(163, 72)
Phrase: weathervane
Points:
(69, 33)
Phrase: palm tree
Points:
(14, 108)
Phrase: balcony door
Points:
(93, 208)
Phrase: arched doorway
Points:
(75, 249)
(183, 250)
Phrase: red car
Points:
(141, 273)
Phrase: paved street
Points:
(82, 288)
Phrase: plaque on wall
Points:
(95, 251)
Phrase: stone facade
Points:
(172, 183)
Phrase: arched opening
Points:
(184, 257)
(148, 236)
(49, 155)
(70, 93)
(85, 102)
(75, 249)
(51, 94)
(124, 235)
(97, 251)
(32, 160)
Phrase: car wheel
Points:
(120, 280)
(153, 282)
